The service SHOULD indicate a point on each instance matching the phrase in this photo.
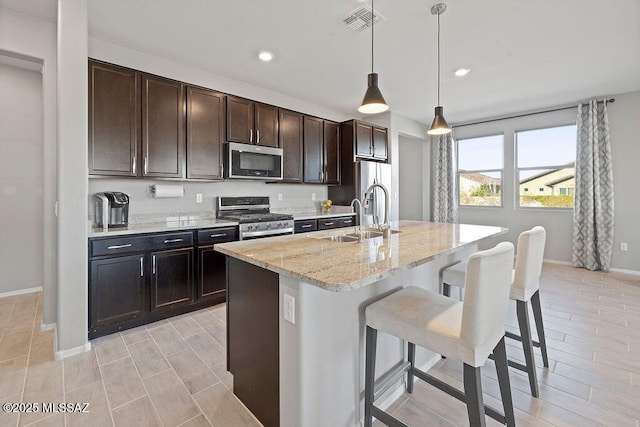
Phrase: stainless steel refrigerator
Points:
(356, 179)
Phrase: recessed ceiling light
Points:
(265, 56)
(461, 72)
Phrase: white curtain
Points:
(593, 206)
(445, 200)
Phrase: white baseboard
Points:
(20, 291)
(555, 261)
(47, 327)
(59, 355)
(615, 270)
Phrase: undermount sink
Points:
(365, 234)
(341, 238)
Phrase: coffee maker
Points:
(112, 209)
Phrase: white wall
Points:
(21, 192)
(32, 37)
(414, 179)
(624, 124)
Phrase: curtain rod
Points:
(611, 100)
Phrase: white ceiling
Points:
(523, 54)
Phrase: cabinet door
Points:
(266, 125)
(114, 120)
(212, 280)
(331, 153)
(379, 143)
(205, 133)
(364, 140)
(171, 278)
(162, 127)
(116, 290)
(291, 135)
(313, 150)
(240, 120)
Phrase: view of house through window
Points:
(480, 164)
(545, 162)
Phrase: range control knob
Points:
(250, 227)
(268, 225)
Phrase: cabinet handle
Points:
(218, 235)
(251, 136)
(173, 240)
(347, 221)
(145, 165)
(141, 266)
(306, 226)
(258, 136)
(134, 165)
(128, 245)
(153, 265)
(221, 169)
(329, 223)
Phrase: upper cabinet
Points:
(321, 151)
(331, 140)
(251, 122)
(114, 120)
(369, 141)
(163, 143)
(290, 140)
(205, 133)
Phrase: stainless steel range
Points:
(254, 217)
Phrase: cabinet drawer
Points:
(217, 235)
(329, 223)
(347, 221)
(118, 245)
(304, 226)
(170, 240)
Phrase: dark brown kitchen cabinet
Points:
(205, 133)
(331, 160)
(212, 281)
(163, 142)
(291, 137)
(336, 222)
(171, 278)
(251, 122)
(313, 150)
(364, 140)
(116, 290)
(379, 143)
(114, 120)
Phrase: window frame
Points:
(517, 169)
(463, 171)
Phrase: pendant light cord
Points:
(438, 57)
(373, 18)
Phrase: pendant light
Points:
(439, 125)
(373, 101)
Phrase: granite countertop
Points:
(158, 227)
(345, 266)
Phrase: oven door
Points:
(247, 161)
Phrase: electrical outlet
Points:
(279, 197)
(199, 198)
(290, 308)
(624, 246)
(313, 196)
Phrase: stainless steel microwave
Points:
(248, 161)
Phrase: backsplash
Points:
(294, 197)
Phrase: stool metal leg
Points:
(446, 289)
(369, 374)
(412, 357)
(522, 311)
(537, 315)
(473, 396)
(500, 357)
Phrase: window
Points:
(480, 165)
(545, 159)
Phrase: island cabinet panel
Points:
(313, 150)
(291, 134)
(114, 119)
(205, 133)
(116, 290)
(171, 278)
(331, 139)
(163, 143)
(253, 338)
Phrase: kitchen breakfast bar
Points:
(295, 314)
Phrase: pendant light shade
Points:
(439, 126)
(373, 101)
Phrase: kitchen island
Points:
(309, 371)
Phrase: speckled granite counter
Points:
(158, 227)
(344, 266)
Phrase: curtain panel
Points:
(593, 206)
(445, 200)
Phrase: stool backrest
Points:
(529, 257)
(486, 298)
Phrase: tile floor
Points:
(172, 372)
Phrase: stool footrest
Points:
(513, 364)
(386, 418)
(519, 338)
(389, 379)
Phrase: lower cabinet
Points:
(171, 278)
(211, 274)
(307, 225)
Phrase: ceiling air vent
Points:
(361, 18)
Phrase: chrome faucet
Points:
(385, 228)
(358, 227)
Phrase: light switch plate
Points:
(290, 308)
(279, 197)
(313, 196)
(624, 246)
(199, 198)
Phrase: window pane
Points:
(480, 189)
(547, 188)
(480, 153)
(543, 147)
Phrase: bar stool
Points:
(466, 331)
(525, 288)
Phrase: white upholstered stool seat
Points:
(524, 289)
(468, 331)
